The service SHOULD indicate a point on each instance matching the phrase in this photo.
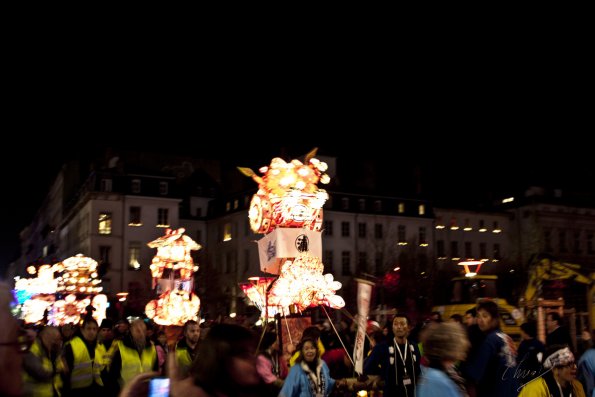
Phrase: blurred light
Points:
(396, 269)
(508, 200)
(232, 315)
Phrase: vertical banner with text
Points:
(364, 294)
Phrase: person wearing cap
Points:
(106, 333)
(558, 378)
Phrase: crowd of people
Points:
(462, 356)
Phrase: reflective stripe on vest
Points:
(34, 387)
(133, 364)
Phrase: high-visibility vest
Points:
(34, 387)
(184, 359)
(133, 363)
(84, 368)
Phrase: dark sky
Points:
(451, 167)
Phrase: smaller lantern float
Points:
(172, 271)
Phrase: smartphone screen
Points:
(159, 387)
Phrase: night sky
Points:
(452, 169)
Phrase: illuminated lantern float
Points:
(66, 298)
(288, 209)
(172, 271)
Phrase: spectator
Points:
(492, 370)
(444, 345)
(559, 378)
(309, 376)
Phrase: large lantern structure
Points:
(64, 299)
(172, 272)
(288, 209)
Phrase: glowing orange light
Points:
(470, 266)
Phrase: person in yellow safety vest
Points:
(84, 362)
(187, 348)
(40, 366)
(133, 355)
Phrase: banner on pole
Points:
(364, 294)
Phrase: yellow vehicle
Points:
(468, 291)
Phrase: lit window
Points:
(162, 217)
(236, 203)
(134, 256)
(227, 232)
(421, 209)
(105, 223)
(401, 208)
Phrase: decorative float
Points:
(172, 272)
(61, 293)
(288, 209)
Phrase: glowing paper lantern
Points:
(172, 269)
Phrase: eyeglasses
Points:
(569, 365)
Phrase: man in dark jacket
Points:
(396, 360)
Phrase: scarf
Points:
(316, 380)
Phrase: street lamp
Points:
(471, 267)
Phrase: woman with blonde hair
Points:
(444, 345)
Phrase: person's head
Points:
(488, 317)
(552, 321)
(308, 348)
(106, 332)
(138, 331)
(10, 358)
(162, 338)
(436, 317)
(227, 360)
(311, 332)
(89, 329)
(401, 326)
(191, 332)
(269, 340)
(560, 360)
(470, 317)
(68, 331)
(446, 341)
(528, 330)
(457, 318)
(51, 339)
(122, 327)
